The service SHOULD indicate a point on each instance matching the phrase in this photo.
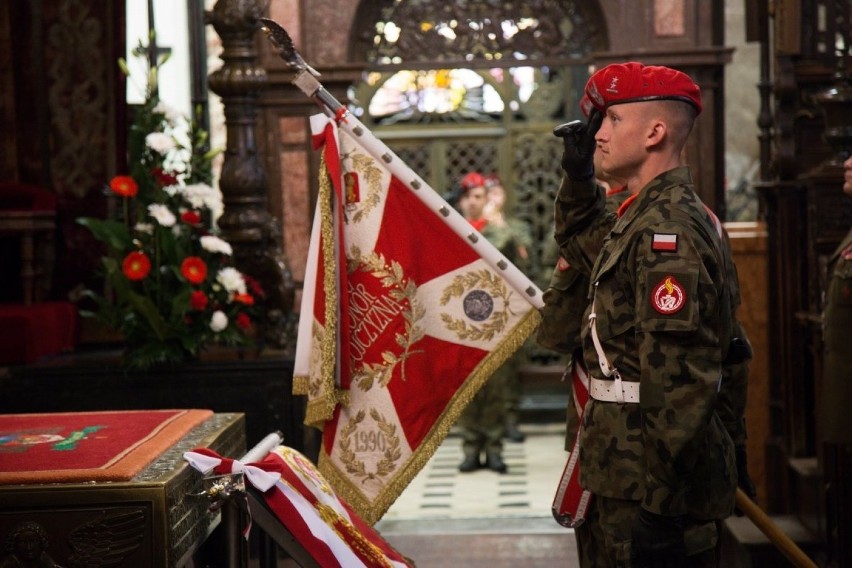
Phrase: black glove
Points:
(658, 541)
(579, 141)
(744, 482)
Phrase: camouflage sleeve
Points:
(564, 304)
(581, 222)
(733, 393)
(679, 358)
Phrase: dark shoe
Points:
(495, 462)
(470, 463)
(513, 434)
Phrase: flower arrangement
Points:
(172, 287)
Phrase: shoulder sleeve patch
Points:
(670, 301)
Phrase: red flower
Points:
(136, 265)
(163, 177)
(243, 321)
(254, 286)
(193, 269)
(191, 217)
(124, 186)
(198, 300)
(246, 299)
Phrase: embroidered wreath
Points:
(400, 289)
(391, 453)
(372, 175)
(484, 280)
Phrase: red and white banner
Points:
(324, 525)
(406, 312)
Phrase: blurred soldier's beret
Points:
(586, 105)
(633, 82)
(471, 180)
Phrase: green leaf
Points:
(113, 233)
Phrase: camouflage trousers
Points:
(483, 421)
(603, 541)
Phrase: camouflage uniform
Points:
(565, 301)
(670, 452)
(837, 361)
(483, 421)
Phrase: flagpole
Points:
(307, 82)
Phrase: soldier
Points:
(837, 321)
(503, 233)
(653, 450)
(483, 421)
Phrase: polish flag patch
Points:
(664, 242)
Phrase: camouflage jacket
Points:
(837, 357)
(664, 320)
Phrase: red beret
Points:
(586, 105)
(633, 82)
(471, 180)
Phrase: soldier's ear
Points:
(656, 134)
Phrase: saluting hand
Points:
(579, 142)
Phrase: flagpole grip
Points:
(781, 541)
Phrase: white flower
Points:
(146, 228)
(215, 244)
(160, 142)
(162, 214)
(172, 114)
(202, 195)
(232, 280)
(218, 321)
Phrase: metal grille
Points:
(517, 144)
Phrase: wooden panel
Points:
(749, 244)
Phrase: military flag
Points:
(406, 312)
(406, 309)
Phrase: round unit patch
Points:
(668, 297)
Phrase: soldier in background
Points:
(483, 421)
(653, 450)
(835, 424)
(505, 232)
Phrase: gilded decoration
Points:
(401, 291)
(382, 438)
(477, 30)
(372, 176)
(479, 288)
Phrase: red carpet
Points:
(88, 446)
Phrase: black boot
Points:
(494, 462)
(470, 462)
(512, 432)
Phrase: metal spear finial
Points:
(284, 44)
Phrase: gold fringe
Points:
(373, 511)
(321, 408)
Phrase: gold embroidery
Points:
(391, 452)
(400, 290)
(365, 166)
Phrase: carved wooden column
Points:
(246, 223)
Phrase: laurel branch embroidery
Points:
(478, 279)
(315, 381)
(400, 289)
(372, 176)
(391, 453)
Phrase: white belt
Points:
(615, 390)
(609, 391)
